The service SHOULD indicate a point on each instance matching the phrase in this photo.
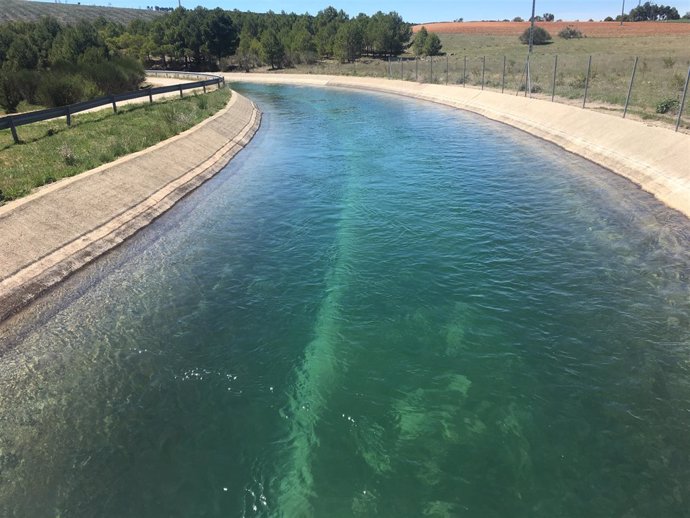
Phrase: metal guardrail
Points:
(21, 119)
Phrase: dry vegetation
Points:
(476, 49)
(25, 11)
(592, 29)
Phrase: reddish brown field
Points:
(590, 29)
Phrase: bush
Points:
(10, 91)
(570, 33)
(541, 36)
(667, 105)
(67, 155)
(536, 89)
(29, 81)
(61, 89)
(668, 62)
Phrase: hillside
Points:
(23, 10)
(591, 29)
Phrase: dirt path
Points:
(655, 158)
(50, 234)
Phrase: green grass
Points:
(51, 150)
(663, 66)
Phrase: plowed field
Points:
(590, 29)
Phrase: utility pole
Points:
(623, 12)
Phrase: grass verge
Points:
(50, 150)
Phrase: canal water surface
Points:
(379, 308)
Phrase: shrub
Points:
(570, 33)
(536, 89)
(608, 19)
(667, 105)
(115, 76)
(668, 62)
(201, 102)
(59, 90)
(29, 80)
(678, 81)
(67, 155)
(541, 36)
(10, 91)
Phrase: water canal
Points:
(379, 308)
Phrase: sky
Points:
(415, 11)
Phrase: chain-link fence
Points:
(650, 88)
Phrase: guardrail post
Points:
(632, 80)
(112, 98)
(13, 129)
(204, 87)
(150, 96)
(555, 68)
(589, 70)
(682, 102)
(180, 91)
(69, 116)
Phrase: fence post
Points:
(555, 69)
(431, 69)
(112, 99)
(589, 70)
(682, 102)
(69, 116)
(632, 80)
(15, 137)
(483, 70)
(503, 79)
(464, 73)
(446, 68)
(402, 71)
(390, 68)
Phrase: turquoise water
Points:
(380, 308)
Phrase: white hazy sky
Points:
(415, 10)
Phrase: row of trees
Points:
(51, 64)
(201, 38)
(653, 12)
(649, 12)
(287, 39)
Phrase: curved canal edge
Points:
(47, 236)
(654, 158)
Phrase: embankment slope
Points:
(52, 233)
(653, 157)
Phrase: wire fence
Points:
(652, 88)
(11, 122)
